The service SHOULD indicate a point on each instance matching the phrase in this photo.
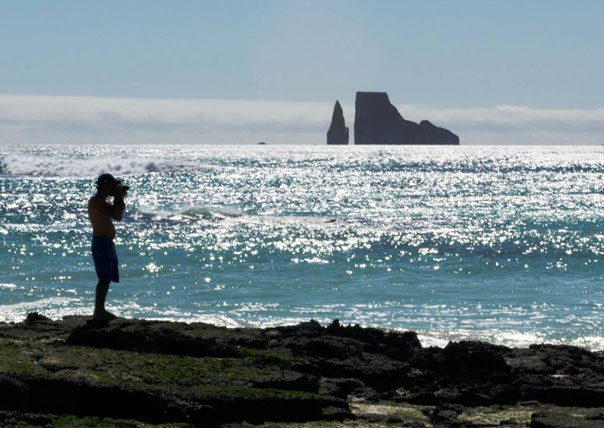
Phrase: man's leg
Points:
(101, 294)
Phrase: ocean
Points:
(496, 243)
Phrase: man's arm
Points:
(118, 207)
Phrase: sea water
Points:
(503, 244)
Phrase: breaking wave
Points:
(44, 166)
(191, 212)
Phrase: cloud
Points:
(95, 120)
(516, 124)
(57, 119)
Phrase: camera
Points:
(124, 188)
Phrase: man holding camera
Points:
(101, 213)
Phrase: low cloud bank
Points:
(516, 124)
(95, 120)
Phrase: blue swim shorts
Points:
(105, 259)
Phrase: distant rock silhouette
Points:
(377, 121)
(338, 131)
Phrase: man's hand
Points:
(118, 202)
(120, 192)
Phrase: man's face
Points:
(111, 188)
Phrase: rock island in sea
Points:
(338, 131)
(136, 373)
(377, 121)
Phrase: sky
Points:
(225, 71)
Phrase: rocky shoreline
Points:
(137, 373)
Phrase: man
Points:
(101, 214)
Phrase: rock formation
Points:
(84, 372)
(338, 131)
(377, 121)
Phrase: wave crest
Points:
(192, 212)
(44, 166)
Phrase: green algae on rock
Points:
(130, 372)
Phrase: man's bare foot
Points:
(105, 315)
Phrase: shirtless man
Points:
(101, 214)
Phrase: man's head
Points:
(106, 183)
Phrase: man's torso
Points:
(99, 213)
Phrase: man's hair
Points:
(105, 180)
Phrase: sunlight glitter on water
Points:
(497, 243)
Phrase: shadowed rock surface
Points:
(338, 131)
(158, 372)
(377, 121)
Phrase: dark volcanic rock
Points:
(13, 392)
(394, 344)
(153, 336)
(13, 419)
(338, 131)
(82, 397)
(566, 419)
(377, 121)
(469, 373)
(471, 358)
(38, 326)
(336, 414)
(35, 317)
(328, 347)
(200, 372)
(339, 387)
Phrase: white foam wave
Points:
(219, 320)
(8, 286)
(45, 166)
(58, 307)
(192, 212)
(307, 221)
(514, 339)
(211, 210)
(52, 307)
